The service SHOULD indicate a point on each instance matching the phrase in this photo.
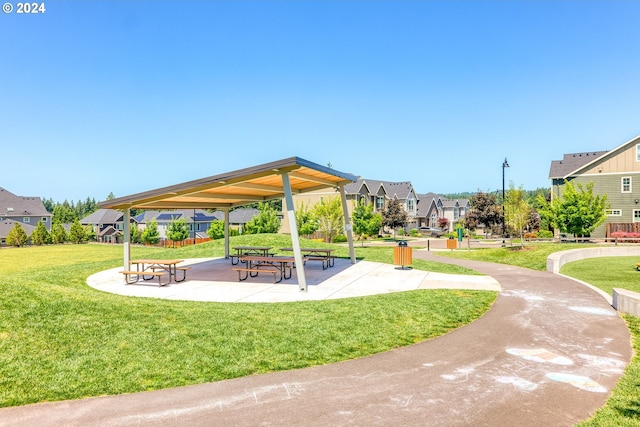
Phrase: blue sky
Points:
(128, 96)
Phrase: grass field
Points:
(60, 339)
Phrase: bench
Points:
(327, 261)
(184, 273)
(262, 268)
(152, 274)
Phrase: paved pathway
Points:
(547, 354)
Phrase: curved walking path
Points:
(548, 353)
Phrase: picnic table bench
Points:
(147, 269)
(317, 254)
(255, 264)
(249, 250)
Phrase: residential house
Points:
(432, 207)
(6, 225)
(369, 191)
(612, 173)
(107, 224)
(197, 219)
(26, 210)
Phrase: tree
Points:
(77, 233)
(134, 234)
(151, 235)
(365, 222)
(58, 234)
(576, 211)
(40, 235)
(307, 223)
(64, 213)
(484, 211)
(216, 230)
(394, 216)
(328, 213)
(178, 230)
(443, 224)
(17, 236)
(266, 221)
(516, 210)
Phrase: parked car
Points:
(431, 231)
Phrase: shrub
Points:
(545, 234)
(414, 232)
(533, 235)
(340, 238)
(626, 237)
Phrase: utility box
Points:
(402, 254)
(452, 243)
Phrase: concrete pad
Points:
(211, 279)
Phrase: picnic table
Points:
(316, 254)
(256, 264)
(147, 269)
(249, 250)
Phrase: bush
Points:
(626, 237)
(528, 236)
(414, 232)
(340, 238)
(545, 234)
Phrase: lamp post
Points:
(505, 164)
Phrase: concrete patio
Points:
(211, 279)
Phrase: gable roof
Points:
(7, 224)
(237, 188)
(102, 216)
(573, 162)
(12, 205)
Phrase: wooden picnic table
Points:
(249, 250)
(316, 254)
(147, 269)
(256, 264)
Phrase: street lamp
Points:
(505, 164)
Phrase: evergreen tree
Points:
(151, 235)
(64, 213)
(17, 236)
(40, 235)
(77, 233)
(266, 221)
(58, 234)
(216, 230)
(178, 230)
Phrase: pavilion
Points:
(274, 180)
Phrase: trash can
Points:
(402, 254)
(451, 243)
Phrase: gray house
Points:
(612, 173)
(26, 210)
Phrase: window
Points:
(26, 219)
(379, 203)
(638, 153)
(411, 205)
(636, 215)
(613, 212)
(44, 219)
(626, 184)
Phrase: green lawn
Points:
(60, 339)
(623, 407)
